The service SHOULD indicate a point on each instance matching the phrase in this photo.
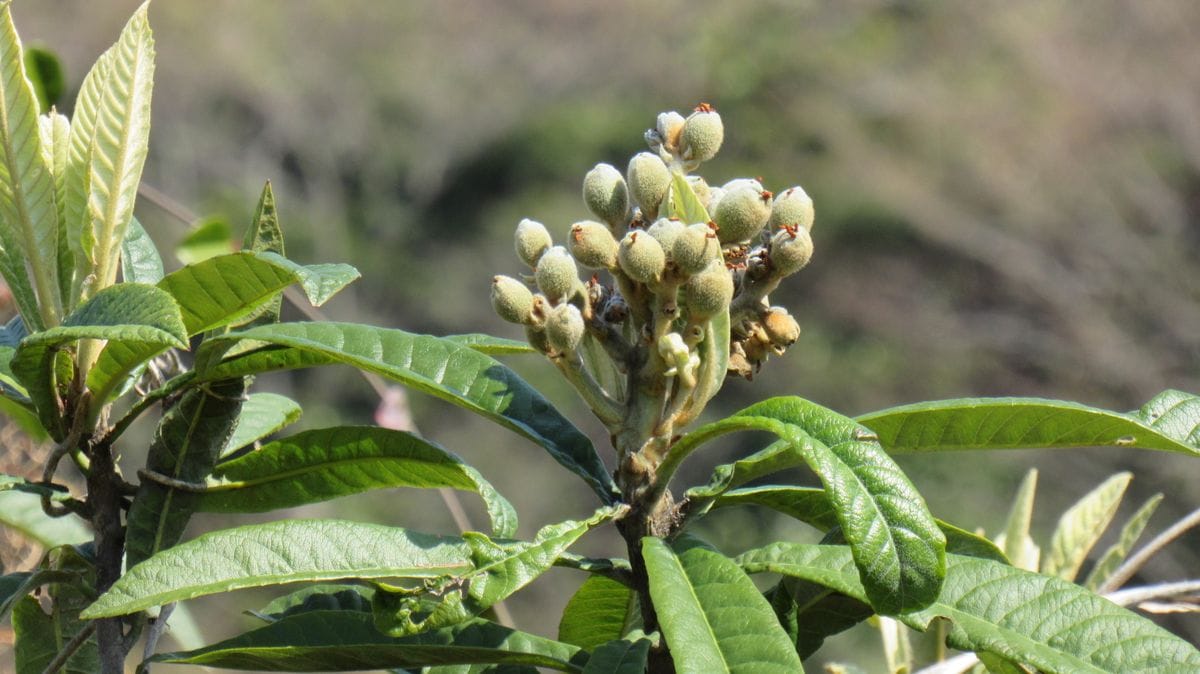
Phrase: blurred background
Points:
(1008, 203)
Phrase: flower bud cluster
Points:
(678, 277)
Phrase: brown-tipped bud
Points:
(702, 135)
(780, 327)
(709, 292)
(741, 214)
(641, 257)
(665, 231)
(564, 327)
(606, 195)
(669, 126)
(649, 178)
(511, 299)
(695, 247)
(791, 249)
(792, 207)
(592, 245)
(556, 274)
(532, 240)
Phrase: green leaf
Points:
(442, 368)
(69, 576)
(500, 569)
(224, 289)
(140, 261)
(1027, 423)
(683, 203)
(1021, 616)
(265, 233)
(55, 133)
(810, 612)
(318, 465)
(898, 546)
(207, 238)
(1082, 525)
(318, 597)
(22, 512)
(1175, 414)
(262, 414)
(347, 641)
(493, 346)
(600, 611)
(712, 616)
(143, 318)
(287, 551)
(1016, 542)
(1116, 553)
(108, 148)
(185, 447)
(620, 656)
(122, 359)
(45, 73)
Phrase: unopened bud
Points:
(709, 292)
(791, 249)
(606, 195)
(780, 326)
(556, 273)
(564, 327)
(669, 126)
(641, 257)
(665, 231)
(532, 241)
(511, 299)
(649, 179)
(792, 207)
(752, 183)
(695, 247)
(702, 135)
(592, 245)
(741, 214)
(701, 189)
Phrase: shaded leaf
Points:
(41, 636)
(22, 512)
(206, 238)
(45, 73)
(140, 261)
(810, 613)
(442, 368)
(621, 656)
(710, 613)
(262, 414)
(600, 611)
(318, 597)
(1116, 553)
(321, 464)
(1082, 525)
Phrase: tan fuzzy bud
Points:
(649, 178)
(701, 189)
(556, 274)
(606, 195)
(511, 299)
(665, 231)
(641, 257)
(791, 249)
(564, 327)
(792, 207)
(780, 327)
(694, 248)
(709, 292)
(741, 214)
(532, 240)
(592, 245)
(669, 126)
(702, 135)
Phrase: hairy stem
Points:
(104, 498)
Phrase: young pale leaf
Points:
(712, 616)
(621, 656)
(56, 145)
(714, 363)
(1116, 553)
(1175, 414)
(683, 201)
(185, 448)
(327, 463)
(262, 414)
(286, 551)
(600, 611)
(1021, 616)
(140, 261)
(900, 550)
(1016, 542)
(1082, 525)
(142, 317)
(348, 641)
(265, 235)
(1024, 423)
(28, 217)
(224, 289)
(443, 368)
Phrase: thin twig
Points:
(157, 627)
(73, 645)
(1137, 595)
(1139, 559)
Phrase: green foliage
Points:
(684, 304)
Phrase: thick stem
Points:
(104, 497)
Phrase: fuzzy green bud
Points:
(791, 249)
(742, 182)
(606, 195)
(665, 231)
(701, 189)
(702, 134)
(532, 240)
(649, 179)
(564, 327)
(741, 214)
(792, 207)
(511, 299)
(641, 257)
(592, 245)
(709, 292)
(694, 248)
(556, 274)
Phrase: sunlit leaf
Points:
(140, 261)
(1082, 525)
(1016, 542)
(1116, 553)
